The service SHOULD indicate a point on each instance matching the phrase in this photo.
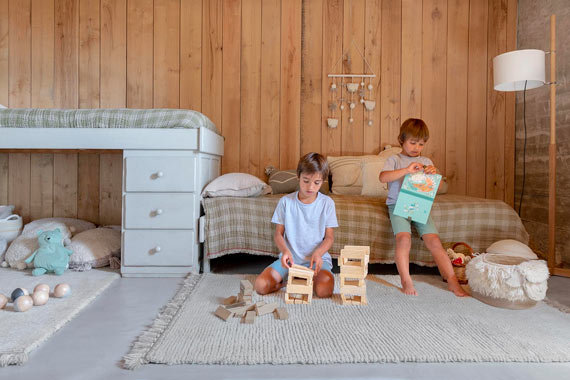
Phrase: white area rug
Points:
(434, 327)
(23, 332)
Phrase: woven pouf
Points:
(507, 281)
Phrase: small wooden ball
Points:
(370, 122)
(361, 100)
(342, 106)
(42, 288)
(370, 87)
(350, 120)
(3, 301)
(40, 298)
(352, 106)
(18, 292)
(333, 86)
(23, 303)
(362, 83)
(62, 290)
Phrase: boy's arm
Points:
(394, 175)
(316, 257)
(280, 242)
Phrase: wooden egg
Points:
(62, 290)
(23, 303)
(3, 301)
(18, 292)
(42, 288)
(40, 298)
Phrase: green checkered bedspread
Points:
(103, 118)
(236, 225)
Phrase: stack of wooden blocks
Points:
(299, 285)
(353, 263)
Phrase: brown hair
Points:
(413, 128)
(313, 163)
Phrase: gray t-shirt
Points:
(400, 161)
(305, 224)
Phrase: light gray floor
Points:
(92, 345)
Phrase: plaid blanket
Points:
(103, 118)
(236, 225)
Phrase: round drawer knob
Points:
(160, 174)
(158, 211)
(157, 249)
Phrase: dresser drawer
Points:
(159, 173)
(158, 248)
(161, 210)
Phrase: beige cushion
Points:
(371, 185)
(286, 181)
(94, 248)
(512, 247)
(236, 185)
(347, 170)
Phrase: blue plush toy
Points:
(51, 256)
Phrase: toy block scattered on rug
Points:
(299, 285)
(353, 263)
(281, 313)
(223, 313)
(249, 317)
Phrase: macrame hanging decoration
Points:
(347, 89)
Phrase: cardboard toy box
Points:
(416, 196)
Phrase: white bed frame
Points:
(164, 172)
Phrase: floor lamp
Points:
(524, 70)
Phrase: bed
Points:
(234, 225)
(168, 157)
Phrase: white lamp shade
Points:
(512, 69)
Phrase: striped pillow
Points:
(286, 181)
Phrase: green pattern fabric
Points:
(235, 225)
(103, 118)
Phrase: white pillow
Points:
(236, 185)
(75, 226)
(512, 247)
(94, 248)
(371, 185)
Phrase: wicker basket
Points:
(459, 269)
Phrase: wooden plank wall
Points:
(259, 70)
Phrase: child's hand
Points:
(316, 260)
(414, 167)
(430, 169)
(286, 259)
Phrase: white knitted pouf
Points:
(507, 281)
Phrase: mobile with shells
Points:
(345, 89)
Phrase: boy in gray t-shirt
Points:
(304, 230)
(413, 136)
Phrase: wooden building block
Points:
(244, 298)
(265, 309)
(351, 281)
(229, 300)
(237, 304)
(300, 267)
(223, 313)
(249, 317)
(245, 285)
(355, 290)
(281, 313)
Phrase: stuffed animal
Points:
(51, 256)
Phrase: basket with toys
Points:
(460, 254)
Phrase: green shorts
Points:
(400, 224)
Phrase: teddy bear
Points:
(51, 256)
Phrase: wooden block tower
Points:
(299, 285)
(353, 263)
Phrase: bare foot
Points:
(408, 288)
(456, 288)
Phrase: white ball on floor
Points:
(23, 303)
(62, 290)
(3, 301)
(40, 298)
(42, 288)
(18, 292)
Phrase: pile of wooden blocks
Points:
(299, 285)
(242, 306)
(353, 263)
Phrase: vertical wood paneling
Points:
(270, 81)
(191, 54)
(89, 49)
(41, 192)
(66, 54)
(166, 53)
(510, 99)
(20, 65)
(411, 59)
(4, 90)
(352, 132)
(250, 85)
(332, 52)
(43, 28)
(4, 170)
(111, 173)
(311, 75)
(212, 38)
(65, 185)
(434, 52)
(88, 184)
(19, 183)
(456, 97)
(390, 78)
(373, 53)
(114, 51)
(477, 99)
(231, 105)
(140, 53)
(496, 44)
(290, 128)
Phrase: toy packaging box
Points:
(416, 196)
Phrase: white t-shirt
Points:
(400, 161)
(305, 224)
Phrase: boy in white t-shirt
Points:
(304, 233)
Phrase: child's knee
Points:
(403, 239)
(262, 285)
